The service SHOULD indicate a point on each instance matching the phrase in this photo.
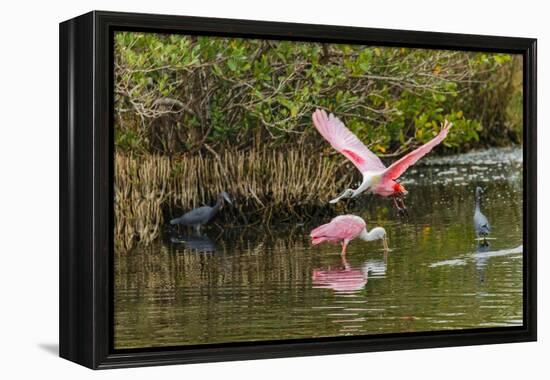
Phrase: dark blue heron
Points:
(481, 224)
(202, 215)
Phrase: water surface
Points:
(269, 283)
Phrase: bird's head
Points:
(348, 193)
(225, 197)
(479, 191)
(399, 189)
(379, 233)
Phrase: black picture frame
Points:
(86, 189)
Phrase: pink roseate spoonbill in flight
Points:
(377, 178)
(345, 228)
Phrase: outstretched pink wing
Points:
(345, 142)
(340, 228)
(400, 166)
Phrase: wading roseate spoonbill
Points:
(377, 178)
(345, 228)
(202, 215)
(481, 224)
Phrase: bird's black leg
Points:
(403, 207)
(396, 204)
(175, 228)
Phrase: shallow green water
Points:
(264, 284)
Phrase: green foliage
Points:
(222, 92)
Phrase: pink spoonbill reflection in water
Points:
(348, 279)
(342, 280)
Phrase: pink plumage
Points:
(370, 166)
(345, 142)
(343, 228)
(399, 167)
(340, 280)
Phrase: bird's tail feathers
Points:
(318, 240)
(318, 235)
(318, 230)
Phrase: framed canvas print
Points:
(236, 189)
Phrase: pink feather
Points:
(400, 166)
(345, 142)
(343, 227)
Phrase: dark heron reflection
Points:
(481, 260)
(198, 243)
